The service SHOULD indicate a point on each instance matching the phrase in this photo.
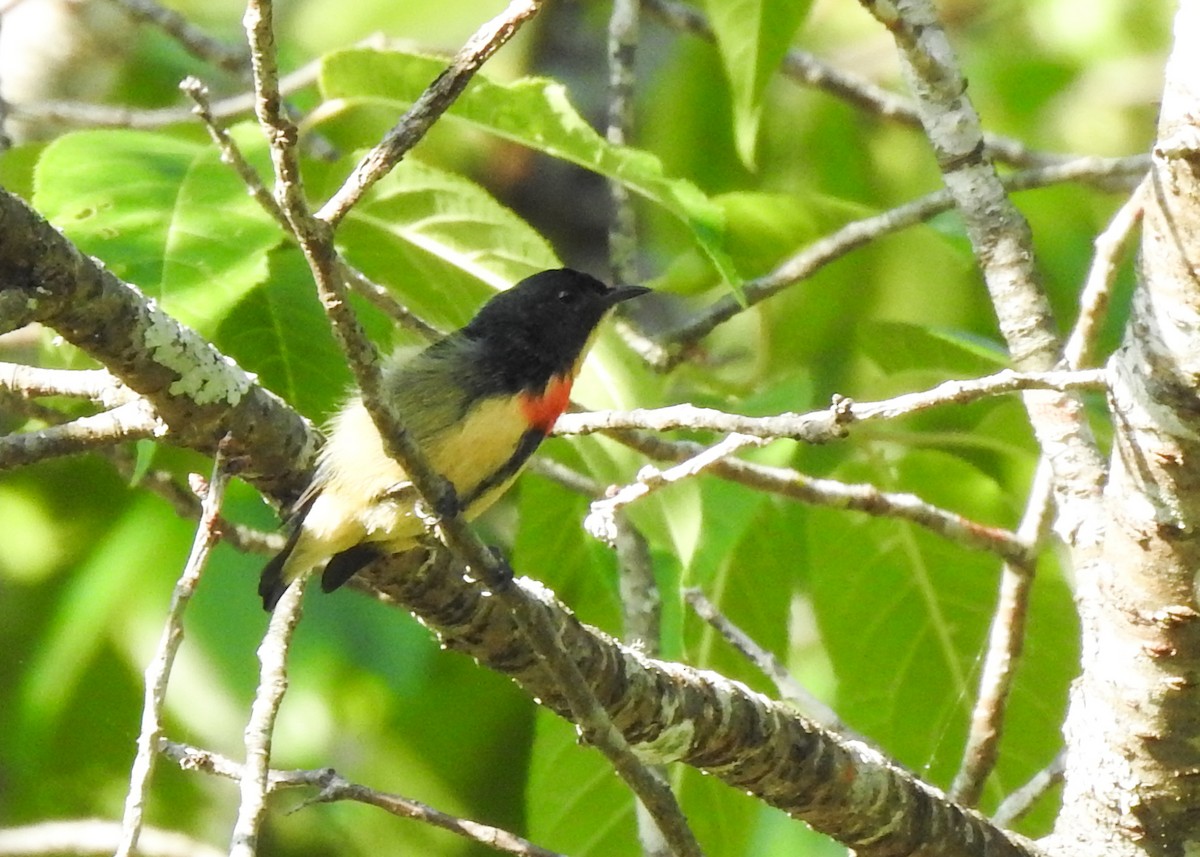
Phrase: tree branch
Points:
(859, 233)
(200, 394)
(833, 422)
(670, 712)
(433, 102)
(158, 671)
(132, 421)
(334, 787)
(95, 836)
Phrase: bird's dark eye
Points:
(567, 296)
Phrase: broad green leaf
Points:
(163, 213)
(441, 242)
(280, 332)
(899, 346)
(592, 813)
(377, 86)
(753, 36)
(904, 615)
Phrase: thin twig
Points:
(87, 115)
(432, 103)
(790, 690)
(622, 51)
(334, 787)
(272, 685)
(96, 385)
(99, 836)
(601, 518)
(134, 420)
(859, 233)
(833, 422)
(1017, 804)
(194, 40)
(158, 671)
(1093, 300)
(184, 502)
(1006, 640)
(840, 495)
(231, 153)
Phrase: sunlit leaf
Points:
(533, 112)
(164, 213)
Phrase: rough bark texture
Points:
(198, 392)
(1133, 772)
(671, 712)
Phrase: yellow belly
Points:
(364, 498)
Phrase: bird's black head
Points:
(539, 327)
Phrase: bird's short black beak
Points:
(624, 293)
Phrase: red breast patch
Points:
(542, 411)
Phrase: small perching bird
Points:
(477, 402)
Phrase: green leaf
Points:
(593, 815)
(441, 242)
(899, 346)
(369, 89)
(904, 615)
(91, 609)
(753, 36)
(163, 213)
(280, 332)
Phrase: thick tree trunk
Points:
(1133, 732)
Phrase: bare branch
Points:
(790, 690)
(425, 110)
(87, 115)
(672, 712)
(1006, 640)
(134, 420)
(199, 393)
(859, 233)
(334, 787)
(1093, 300)
(840, 495)
(1023, 799)
(272, 684)
(832, 423)
(1001, 239)
(96, 385)
(601, 519)
(622, 51)
(158, 671)
(197, 42)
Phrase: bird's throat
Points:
(543, 410)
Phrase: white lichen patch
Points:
(204, 374)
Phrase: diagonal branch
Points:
(670, 712)
(859, 233)
(425, 111)
(199, 393)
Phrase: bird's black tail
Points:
(271, 584)
(343, 566)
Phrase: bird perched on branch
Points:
(478, 402)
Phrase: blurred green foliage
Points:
(881, 618)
